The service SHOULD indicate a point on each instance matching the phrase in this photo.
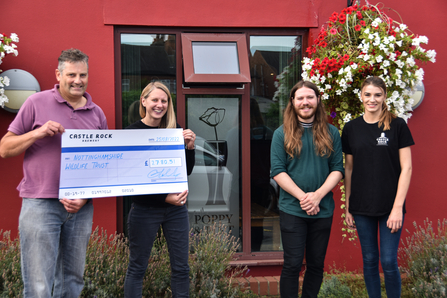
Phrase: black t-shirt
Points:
(376, 167)
(158, 200)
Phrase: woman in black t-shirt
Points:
(148, 212)
(377, 178)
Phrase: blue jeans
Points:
(367, 229)
(53, 246)
(143, 224)
(301, 234)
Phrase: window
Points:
(215, 58)
(231, 179)
(275, 63)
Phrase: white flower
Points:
(404, 54)
(338, 92)
(325, 96)
(14, 37)
(327, 86)
(419, 74)
(354, 66)
(410, 61)
(347, 118)
(403, 26)
(431, 54)
(400, 63)
(366, 57)
(374, 24)
(399, 43)
(379, 58)
(386, 63)
(5, 80)
(366, 31)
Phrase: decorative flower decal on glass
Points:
(213, 117)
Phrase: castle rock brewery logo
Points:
(382, 140)
(85, 137)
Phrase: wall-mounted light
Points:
(418, 95)
(22, 84)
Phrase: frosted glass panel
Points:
(215, 57)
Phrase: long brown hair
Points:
(386, 116)
(293, 130)
(168, 120)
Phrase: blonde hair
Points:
(386, 116)
(168, 120)
(293, 130)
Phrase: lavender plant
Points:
(10, 275)
(424, 256)
(211, 275)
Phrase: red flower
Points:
(349, 10)
(363, 23)
(359, 15)
(357, 27)
(333, 31)
(342, 18)
(323, 44)
(332, 62)
(346, 57)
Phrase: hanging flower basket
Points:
(360, 42)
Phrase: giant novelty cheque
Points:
(109, 163)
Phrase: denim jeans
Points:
(367, 229)
(299, 235)
(143, 224)
(53, 246)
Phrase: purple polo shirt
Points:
(42, 161)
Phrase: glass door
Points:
(215, 184)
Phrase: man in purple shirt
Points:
(54, 232)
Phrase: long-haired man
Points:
(307, 163)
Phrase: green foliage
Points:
(211, 274)
(333, 288)
(211, 251)
(106, 265)
(10, 278)
(425, 259)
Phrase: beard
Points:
(308, 115)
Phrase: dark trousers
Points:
(143, 224)
(301, 234)
(369, 228)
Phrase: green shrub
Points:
(211, 251)
(333, 288)
(424, 258)
(10, 275)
